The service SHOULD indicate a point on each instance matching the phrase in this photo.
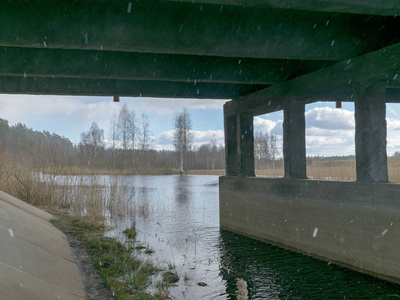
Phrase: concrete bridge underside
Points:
(265, 55)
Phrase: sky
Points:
(329, 131)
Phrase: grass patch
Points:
(127, 276)
(130, 232)
(139, 247)
(149, 250)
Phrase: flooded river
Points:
(178, 218)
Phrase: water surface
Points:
(178, 217)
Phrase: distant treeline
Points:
(46, 150)
(38, 149)
(330, 158)
(207, 156)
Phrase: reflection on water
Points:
(275, 273)
(182, 227)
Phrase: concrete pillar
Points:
(231, 145)
(239, 145)
(370, 136)
(246, 145)
(294, 140)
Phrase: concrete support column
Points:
(231, 145)
(246, 145)
(370, 136)
(239, 145)
(294, 140)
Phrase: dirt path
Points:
(93, 284)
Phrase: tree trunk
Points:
(181, 162)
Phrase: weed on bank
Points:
(127, 276)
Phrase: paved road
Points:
(35, 258)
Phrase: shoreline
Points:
(76, 171)
(93, 284)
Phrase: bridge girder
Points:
(239, 47)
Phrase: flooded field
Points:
(177, 219)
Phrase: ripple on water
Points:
(183, 229)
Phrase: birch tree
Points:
(113, 133)
(145, 134)
(133, 128)
(123, 126)
(183, 137)
(92, 140)
(273, 148)
(261, 148)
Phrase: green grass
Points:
(139, 247)
(126, 276)
(149, 251)
(131, 232)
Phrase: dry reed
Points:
(91, 196)
(335, 170)
(143, 205)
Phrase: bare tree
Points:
(113, 133)
(261, 148)
(214, 153)
(133, 129)
(92, 141)
(123, 126)
(145, 134)
(273, 148)
(183, 137)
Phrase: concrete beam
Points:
(63, 63)
(370, 136)
(192, 29)
(112, 87)
(368, 7)
(392, 95)
(381, 65)
(294, 140)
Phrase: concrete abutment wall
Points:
(354, 224)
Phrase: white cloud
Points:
(329, 145)
(201, 137)
(330, 118)
(393, 124)
(263, 125)
(329, 131)
(165, 139)
(16, 108)
(321, 132)
(393, 144)
(166, 106)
